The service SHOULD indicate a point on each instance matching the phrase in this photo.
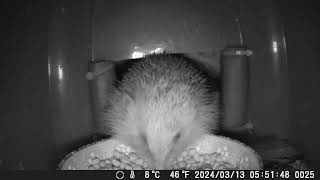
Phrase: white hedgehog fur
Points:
(161, 106)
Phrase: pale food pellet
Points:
(132, 157)
(115, 162)
(140, 162)
(137, 168)
(95, 161)
(96, 166)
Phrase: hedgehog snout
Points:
(159, 159)
(162, 153)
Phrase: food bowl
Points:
(209, 152)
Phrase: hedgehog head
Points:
(161, 107)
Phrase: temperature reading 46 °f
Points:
(176, 174)
(153, 174)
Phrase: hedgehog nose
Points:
(159, 165)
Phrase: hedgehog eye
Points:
(144, 139)
(177, 137)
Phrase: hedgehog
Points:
(162, 105)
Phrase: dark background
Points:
(46, 46)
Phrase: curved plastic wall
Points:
(68, 54)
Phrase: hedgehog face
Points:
(161, 141)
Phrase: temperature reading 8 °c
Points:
(156, 174)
